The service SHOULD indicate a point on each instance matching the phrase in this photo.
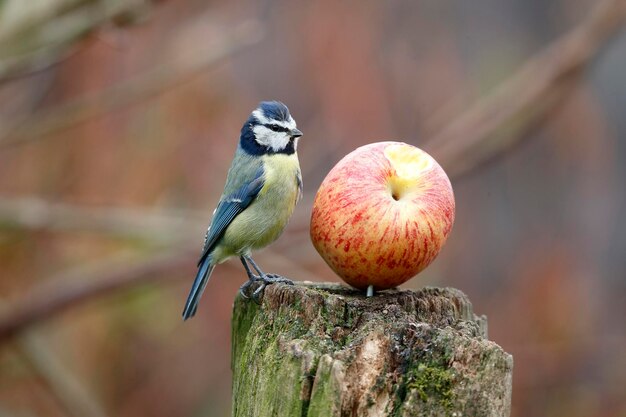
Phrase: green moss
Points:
(242, 321)
(432, 382)
(297, 306)
(326, 396)
(259, 366)
(429, 379)
(260, 361)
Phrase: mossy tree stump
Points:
(326, 350)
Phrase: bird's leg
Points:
(264, 278)
(251, 278)
(254, 265)
(267, 278)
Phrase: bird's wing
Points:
(228, 208)
(299, 182)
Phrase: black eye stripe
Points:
(276, 128)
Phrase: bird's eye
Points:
(275, 128)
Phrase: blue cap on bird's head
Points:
(274, 110)
(270, 129)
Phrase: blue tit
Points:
(262, 188)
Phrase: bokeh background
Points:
(118, 121)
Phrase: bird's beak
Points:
(295, 133)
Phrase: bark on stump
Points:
(326, 350)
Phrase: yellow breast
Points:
(281, 172)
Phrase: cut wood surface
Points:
(326, 350)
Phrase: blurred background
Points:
(118, 122)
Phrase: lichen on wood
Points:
(325, 350)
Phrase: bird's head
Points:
(270, 129)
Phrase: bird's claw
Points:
(244, 288)
(257, 295)
(275, 278)
(264, 281)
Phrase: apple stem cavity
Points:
(396, 190)
(370, 291)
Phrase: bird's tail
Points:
(199, 284)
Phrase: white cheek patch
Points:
(275, 140)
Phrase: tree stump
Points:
(325, 350)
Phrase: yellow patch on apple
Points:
(408, 162)
(382, 214)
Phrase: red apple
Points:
(382, 214)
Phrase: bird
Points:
(263, 186)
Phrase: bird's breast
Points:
(281, 173)
(280, 191)
(264, 220)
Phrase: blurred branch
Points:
(496, 123)
(136, 89)
(80, 285)
(34, 35)
(156, 227)
(59, 379)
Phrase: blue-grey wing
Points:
(299, 183)
(228, 208)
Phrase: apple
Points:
(382, 214)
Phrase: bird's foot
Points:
(275, 278)
(245, 288)
(263, 281)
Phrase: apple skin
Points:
(382, 214)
